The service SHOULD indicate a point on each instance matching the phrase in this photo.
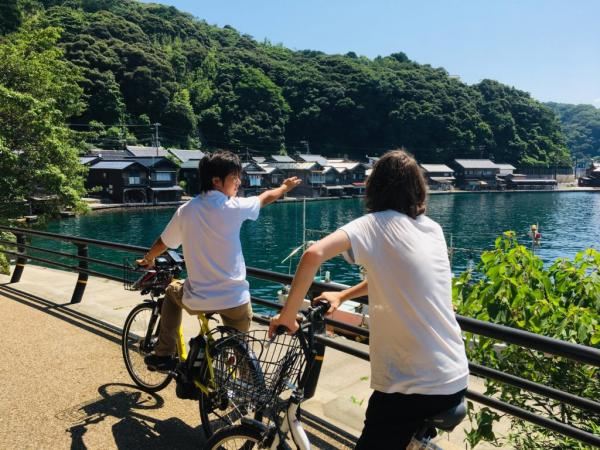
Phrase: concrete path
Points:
(64, 384)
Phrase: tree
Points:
(38, 91)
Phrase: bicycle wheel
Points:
(140, 335)
(219, 409)
(238, 437)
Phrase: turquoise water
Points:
(568, 222)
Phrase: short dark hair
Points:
(397, 182)
(217, 164)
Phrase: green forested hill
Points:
(581, 126)
(146, 63)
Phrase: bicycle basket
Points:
(136, 278)
(251, 370)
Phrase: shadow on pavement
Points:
(133, 429)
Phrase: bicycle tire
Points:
(216, 411)
(238, 437)
(134, 350)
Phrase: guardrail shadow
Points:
(124, 404)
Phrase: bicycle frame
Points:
(290, 423)
(182, 351)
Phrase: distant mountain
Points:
(145, 63)
(581, 126)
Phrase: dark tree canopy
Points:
(146, 63)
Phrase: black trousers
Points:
(392, 419)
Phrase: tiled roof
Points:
(87, 159)
(151, 162)
(314, 158)
(506, 167)
(295, 165)
(186, 155)
(476, 163)
(282, 159)
(141, 152)
(436, 168)
(112, 165)
(348, 165)
(111, 154)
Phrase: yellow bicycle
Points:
(214, 354)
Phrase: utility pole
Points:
(156, 141)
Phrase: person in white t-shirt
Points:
(418, 361)
(208, 228)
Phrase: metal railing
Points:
(575, 352)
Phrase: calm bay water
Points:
(568, 221)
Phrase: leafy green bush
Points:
(511, 286)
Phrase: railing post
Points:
(82, 250)
(21, 259)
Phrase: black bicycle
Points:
(294, 362)
(213, 355)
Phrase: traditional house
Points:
(254, 178)
(439, 177)
(273, 176)
(120, 181)
(475, 174)
(352, 175)
(592, 175)
(519, 182)
(162, 175)
(311, 174)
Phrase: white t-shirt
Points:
(415, 342)
(208, 227)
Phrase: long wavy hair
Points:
(397, 182)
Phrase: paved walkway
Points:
(64, 384)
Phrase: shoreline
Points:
(98, 207)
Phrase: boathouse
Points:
(439, 177)
(592, 176)
(162, 175)
(119, 181)
(475, 174)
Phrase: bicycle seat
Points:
(447, 420)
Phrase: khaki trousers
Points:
(238, 318)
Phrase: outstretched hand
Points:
(290, 183)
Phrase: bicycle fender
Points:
(254, 423)
(298, 433)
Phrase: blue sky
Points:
(550, 48)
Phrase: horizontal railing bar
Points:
(574, 400)
(66, 266)
(544, 422)
(577, 352)
(76, 240)
(69, 255)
